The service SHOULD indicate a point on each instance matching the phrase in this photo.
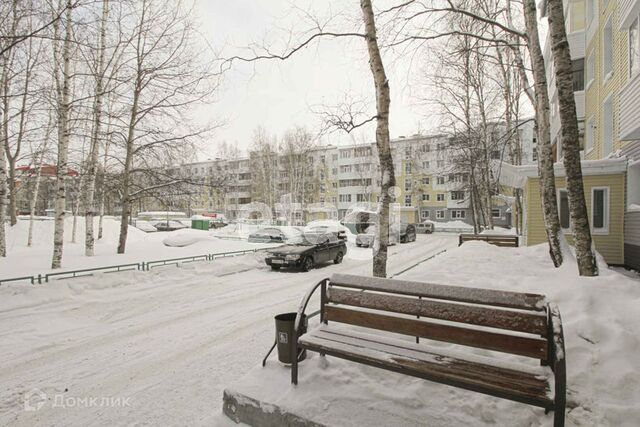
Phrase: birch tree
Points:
(63, 82)
(167, 79)
(569, 140)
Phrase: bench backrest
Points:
(509, 322)
(503, 240)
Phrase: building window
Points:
(457, 214)
(440, 214)
(563, 209)
(440, 164)
(345, 169)
(591, 11)
(634, 48)
(407, 153)
(334, 157)
(590, 71)
(576, 15)
(495, 213)
(600, 210)
(590, 135)
(425, 197)
(425, 181)
(440, 180)
(424, 214)
(362, 197)
(607, 127)
(425, 165)
(407, 185)
(407, 168)
(440, 197)
(457, 195)
(345, 198)
(407, 200)
(345, 154)
(534, 154)
(607, 51)
(577, 66)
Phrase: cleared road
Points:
(159, 347)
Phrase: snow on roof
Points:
(516, 176)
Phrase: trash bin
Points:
(285, 325)
(200, 224)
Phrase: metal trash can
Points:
(285, 324)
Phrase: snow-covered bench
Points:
(498, 322)
(504, 240)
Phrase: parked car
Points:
(267, 235)
(425, 227)
(217, 224)
(310, 251)
(145, 226)
(367, 238)
(339, 232)
(407, 233)
(169, 225)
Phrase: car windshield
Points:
(312, 239)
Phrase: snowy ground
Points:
(168, 340)
(600, 319)
(141, 246)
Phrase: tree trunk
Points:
(89, 192)
(570, 142)
(63, 145)
(36, 189)
(545, 154)
(383, 100)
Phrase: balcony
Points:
(629, 9)
(630, 110)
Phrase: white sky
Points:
(280, 94)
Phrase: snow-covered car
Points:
(267, 235)
(338, 231)
(367, 238)
(425, 227)
(169, 225)
(310, 251)
(145, 226)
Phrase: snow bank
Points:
(500, 230)
(187, 237)
(600, 318)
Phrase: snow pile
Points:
(500, 230)
(450, 225)
(633, 207)
(600, 318)
(187, 237)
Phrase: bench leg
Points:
(558, 416)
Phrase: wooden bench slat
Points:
(523, 301)
(534, 377)
(523, 346)
(460, 374)
(529, 322)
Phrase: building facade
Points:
(336, 179)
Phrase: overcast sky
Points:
(281, 94)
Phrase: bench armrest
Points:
(557, 362)
(305, 301)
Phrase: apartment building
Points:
(339, 178)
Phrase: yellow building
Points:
(604, 189)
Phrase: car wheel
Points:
(275, 267)
(338, 259)
(307, 264)
(403, 240)
(358, 245)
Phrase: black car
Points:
(267, 235)
(310, 251)
(407, 233)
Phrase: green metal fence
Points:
(141, 266)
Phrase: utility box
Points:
(200, 224)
